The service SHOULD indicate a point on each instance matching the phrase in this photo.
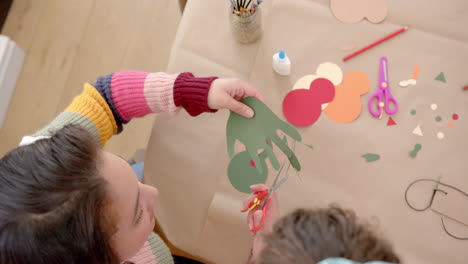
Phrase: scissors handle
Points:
(378, 103)
(258, 200)
(389, 100)
(264, 216)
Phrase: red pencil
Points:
(375, 43)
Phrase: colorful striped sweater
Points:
(114, 100)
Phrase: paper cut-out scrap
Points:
(434, 106)
(407, 83)
(465, 87)
(441, 78)
(255, 132)
(354, 11)
(391, 122)
(308, 145)
(413, 79)
(330, 71)
(305, 81)
(451, 124)
(415, 150)
(370, 157)
(416, 70)
(326, 70)
(417, 131)
(242, 174)
(455, 116)
(347, 106)
(302, 107)
(438, 119)
(440, 135)
(413, 112)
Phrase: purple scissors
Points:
(383, 95)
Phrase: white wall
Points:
(11, 61)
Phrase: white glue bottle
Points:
(281, 63)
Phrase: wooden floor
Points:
(71, 42)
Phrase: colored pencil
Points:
(375, 43)
(243, 7)
(248, 4)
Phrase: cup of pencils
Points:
(246, 20)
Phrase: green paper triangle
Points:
(441, 78)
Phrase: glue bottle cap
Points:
(282, 54)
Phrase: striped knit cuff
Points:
(103, 85)
(192, 93)
(154, 251)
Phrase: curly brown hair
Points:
(311, 235)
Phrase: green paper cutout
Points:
(413, 112)
(309, 146)
(370, 157)
(292, 159)
(241, 173)
(255, 132)
(438, 118)
(441, 78)
(415, 151)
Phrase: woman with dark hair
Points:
(330, 235)
(63, 199)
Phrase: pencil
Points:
(233, 4)
(248, 3)
(375, 43)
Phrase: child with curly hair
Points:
(330, 235)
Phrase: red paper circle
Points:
(323, 89)
(455, 117)
(298, 108)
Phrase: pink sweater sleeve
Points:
(135, 93)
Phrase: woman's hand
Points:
(225, 93)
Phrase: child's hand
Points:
(255, 215)
(226, 93)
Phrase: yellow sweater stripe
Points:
(91, 105)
